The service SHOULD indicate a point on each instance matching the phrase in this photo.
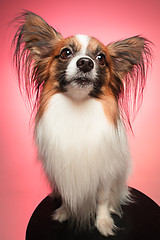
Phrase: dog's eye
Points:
(66, 53)
(101, 59)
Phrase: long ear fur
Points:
(130, 61)
(34, 44)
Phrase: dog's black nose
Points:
(85, 64)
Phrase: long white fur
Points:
(82, 151)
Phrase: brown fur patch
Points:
(67, 43)
(95, 45)
(48, 91)
(110, 105)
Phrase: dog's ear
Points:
(128, 54)
(34, 43)
(130, 59)
(35, 35)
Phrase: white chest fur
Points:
(78, 146)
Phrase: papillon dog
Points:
(82, 91)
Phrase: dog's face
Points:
(81, 66)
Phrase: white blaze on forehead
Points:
(72, 71)
(84, 41)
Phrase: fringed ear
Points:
(130, 60)
(34, 44)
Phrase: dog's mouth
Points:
(79, 87)
(82, 82)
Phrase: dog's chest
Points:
(74, 125)
(77, 138)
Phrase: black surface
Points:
(140, 221)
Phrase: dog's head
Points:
(79, 66)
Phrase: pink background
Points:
(22, 183)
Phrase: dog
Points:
(83, 92)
